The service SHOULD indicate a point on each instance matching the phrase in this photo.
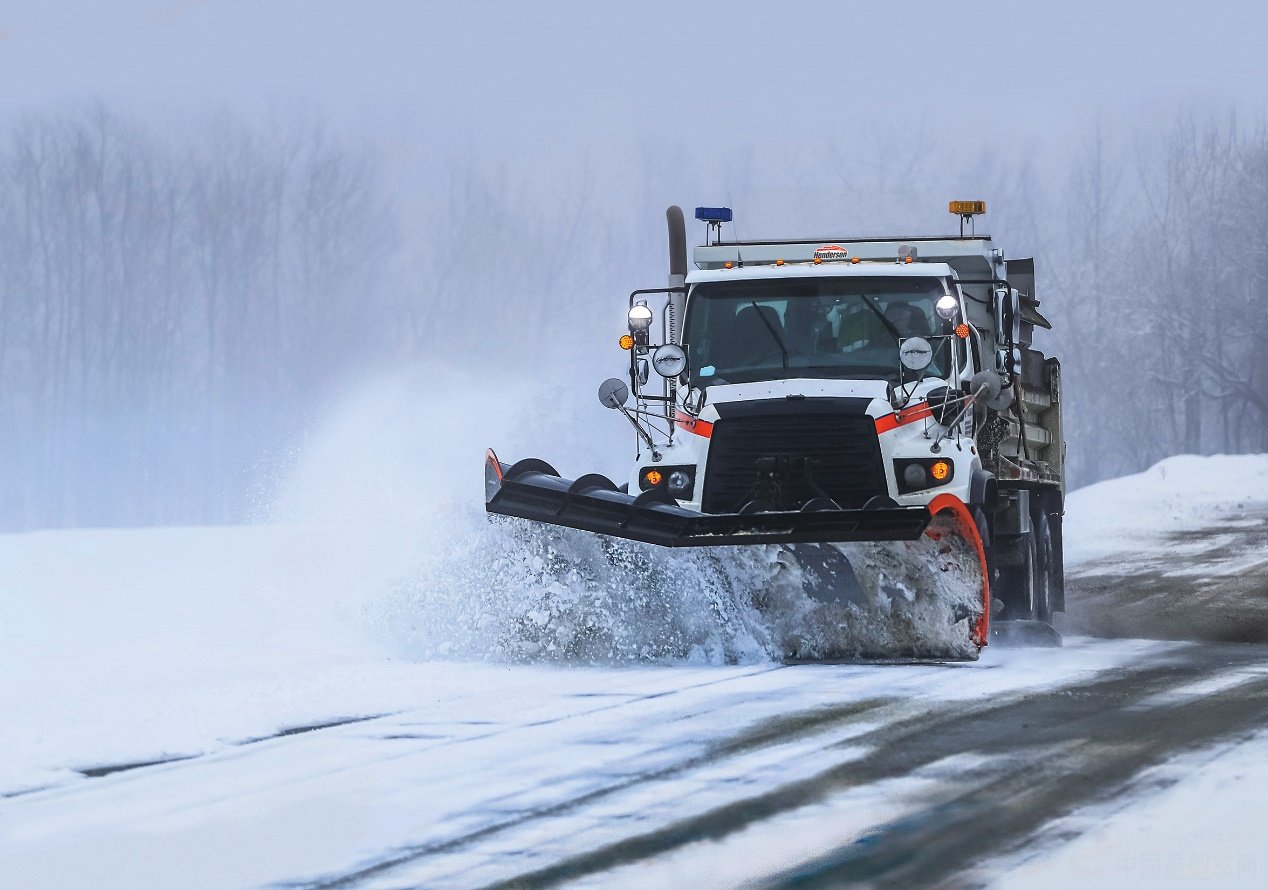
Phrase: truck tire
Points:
(984, 532)
(1045, 567)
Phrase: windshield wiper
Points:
(779, 341)
(889, 325)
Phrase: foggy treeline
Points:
(169, 306)
(1160, 285)
(175, 310)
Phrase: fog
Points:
(222, 222)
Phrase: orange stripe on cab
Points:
(902, 418)
(685, 421)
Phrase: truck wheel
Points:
(1044, 566)
(984, 532)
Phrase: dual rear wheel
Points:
(1023, 569)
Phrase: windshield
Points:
(741, 331)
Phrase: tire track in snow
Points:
(1106, 739)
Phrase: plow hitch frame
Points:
(532, 489)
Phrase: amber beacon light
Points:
(967, 210)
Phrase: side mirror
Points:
(669, 360)
(642, 372)
(988, 389)
(916, 353)
(613, 393)
(1007, 331)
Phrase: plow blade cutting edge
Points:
(532, 489)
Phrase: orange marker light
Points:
(962, 331)
(626, 341)
(726, 265)
(818, 261)
(653, 477)
(854, 260)
(907, 259)
(940, 470)
(779, 262)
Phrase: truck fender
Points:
(983, 489)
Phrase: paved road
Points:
(1209, 584)
(776, 775)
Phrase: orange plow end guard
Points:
(950, 506)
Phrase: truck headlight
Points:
(946, 307)
(678, 481)
(921, 473)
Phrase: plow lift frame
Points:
(533, 489)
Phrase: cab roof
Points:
(890, 269)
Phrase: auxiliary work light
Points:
(946, 306)
(640, 317)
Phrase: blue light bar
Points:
(713, 214)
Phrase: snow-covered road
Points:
(239, 708)
(675, 776)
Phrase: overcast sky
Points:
(541, 77)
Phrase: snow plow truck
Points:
(856, 402)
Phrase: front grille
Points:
(840, 450)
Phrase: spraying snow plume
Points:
(392, 492)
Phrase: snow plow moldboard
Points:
(532, 489)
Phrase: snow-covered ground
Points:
(1137, 518)
(1179, 551)
(1195, 821)
(211, 647)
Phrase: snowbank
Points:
(1139, 514)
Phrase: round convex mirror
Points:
(613, 392)
(915, 353)
(669, 360)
